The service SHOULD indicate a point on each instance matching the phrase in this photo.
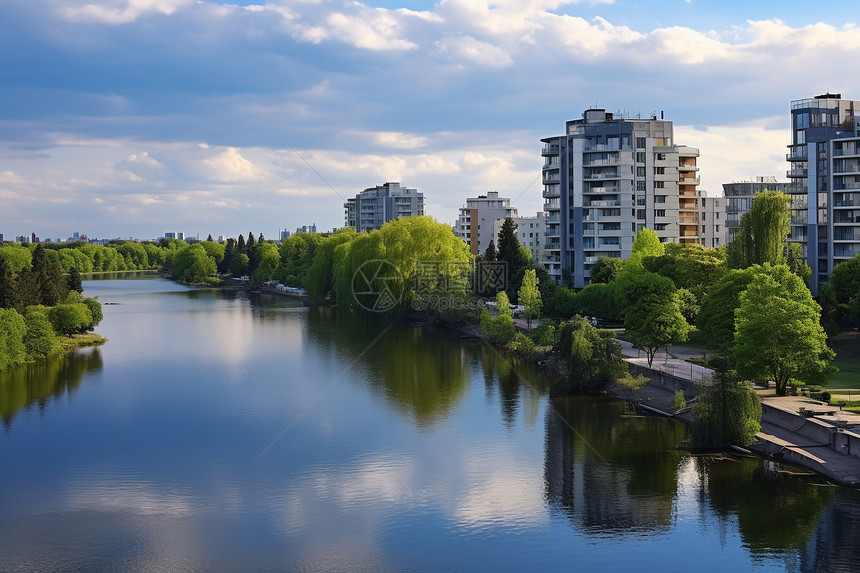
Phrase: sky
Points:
(132, 118)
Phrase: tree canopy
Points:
(763, 232)
(778, 334)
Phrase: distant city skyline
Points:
(129, 118)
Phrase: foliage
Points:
(728, 412)
(763, 232)
(605, 269)
(778, 331)
(319, 277)
(845, 280)
(73, 281)
(716, 317)
(501, 329)
(592, 356)
(689, 265)
(12, 330)
(96, 314)
(652, 313)
(529, 297)
(680, 402)
(646, 244)
(69, 318)
(543, 335)
(688, 304)
(600, 300)
(268, 261)
(522, 346)
(631, 382)
(192, 264)
(40, 340)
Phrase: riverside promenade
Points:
(794, 429)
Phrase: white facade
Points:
(475, 224)
(375, 206)
(531, 232)
(606, 179)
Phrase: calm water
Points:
(214, 432)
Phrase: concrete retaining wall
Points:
(817, 432)
(847, 443)
(666, 380)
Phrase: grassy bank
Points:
(72, 343)
(847, 348)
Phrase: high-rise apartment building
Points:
(475, 225)
(824, 174)
(739, 196)
(605, 179)
(375, 206)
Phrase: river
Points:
(220, 432)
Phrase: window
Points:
(660, 170)
(717, 228)
(659, 184)
(640, 143)
(660, 213)
(704, 215)
(640, 213)
(659, 198)
(640, 157)
(661, 157)
(660, 227)
(640, 186)
(640, 172)
(703, 229)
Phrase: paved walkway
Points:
(779, 439)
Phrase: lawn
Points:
(847, 348)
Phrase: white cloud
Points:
(122, 11)
(474, 51)
(377, 32)
(230, 166)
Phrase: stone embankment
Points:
(796, 430)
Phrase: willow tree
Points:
(763, 232)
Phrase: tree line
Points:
(39, 303)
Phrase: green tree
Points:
(652, 311)
(70, 318)
(646, 244)
(592, 356)
(529, 296)
(12, 330)
(320, 276)
(270, 259)
(73, 281)
(778, 334)
(40, 340)
(48, 275)
(716, 317)
(763, 232)
(490, 254)
(727, 413)
(501, 329)
(605, 269)
(96, 314)
(8, 286)
(192, 264)
(509, 253)
(689, 265)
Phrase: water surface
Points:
(218, 432)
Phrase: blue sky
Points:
(124, 118)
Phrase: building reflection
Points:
(833, 547)
(608, 472)
(35, 385)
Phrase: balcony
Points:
(689, 180)
(603, 204)
(587, 162)
(551, 178)
(800, 172)
(554, 217)
(600, 176)
(796, 154)
(549, 150)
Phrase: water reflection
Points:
(421, 372)
(763, 498)
(833, 547)
(611, 474)
(38, 384)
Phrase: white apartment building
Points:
(605, 179)
(475, 223)
(531, 232)
(375, 206)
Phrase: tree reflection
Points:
(776, 511)
(422, 373)
(610, 473)
(833, 547)
(37, 384)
